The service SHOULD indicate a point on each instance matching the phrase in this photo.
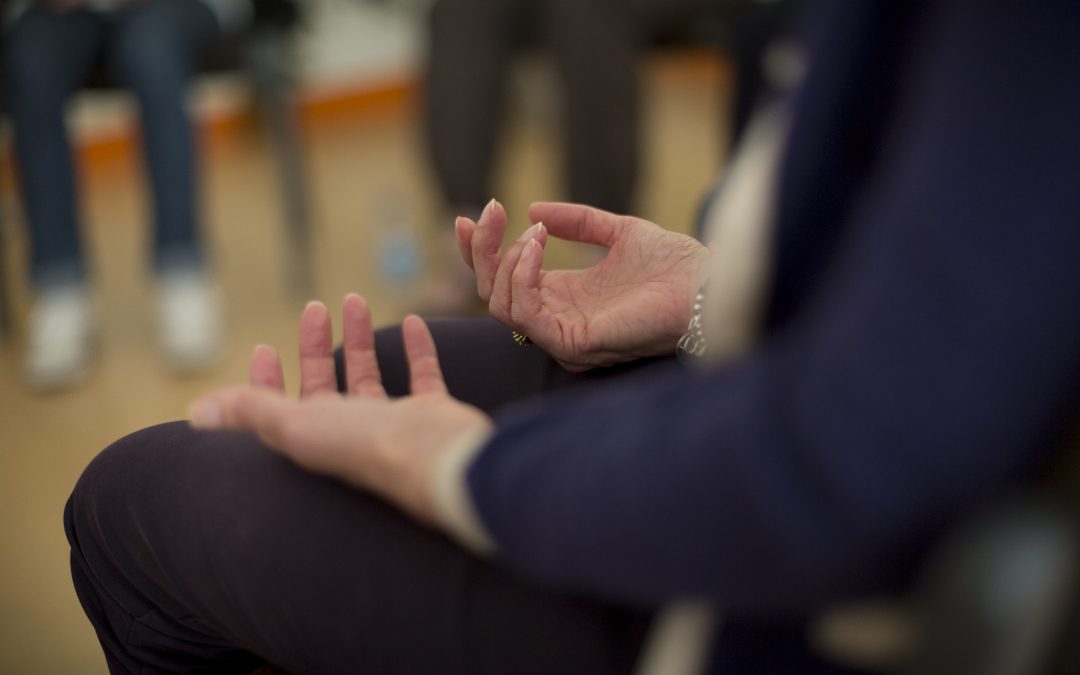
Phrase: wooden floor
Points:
(357, 165)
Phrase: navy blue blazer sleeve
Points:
(932, 368)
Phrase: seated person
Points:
(889, 335)
(151, 46)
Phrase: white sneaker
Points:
(190, 320)
(61, 338)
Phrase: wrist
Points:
(694, 293)
(417, 449)
(453, 507)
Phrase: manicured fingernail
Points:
(530, 233)
(205, 414)
(489, 208)
(314, 303)
(532, 249)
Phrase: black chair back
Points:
(1001, 596)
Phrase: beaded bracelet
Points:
(692, 343)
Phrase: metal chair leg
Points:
(269, 64)
(5, 297)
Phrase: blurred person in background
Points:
(883, 336)
(595, 46)
(152, 47)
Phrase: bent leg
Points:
(483, 365)
(154, 49)
(595, 44)
(471, 44)
(205, 550)
(47, 54)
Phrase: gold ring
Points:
(522, 339)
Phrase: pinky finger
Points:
(425, 374)
(463, 232)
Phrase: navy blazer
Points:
(922, 344)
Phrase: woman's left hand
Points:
(391, 447)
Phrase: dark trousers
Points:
(195, 550)
(595, 47)
(151, 47)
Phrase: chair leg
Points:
(269, 64)
(5, 298)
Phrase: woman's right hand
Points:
(634, 303)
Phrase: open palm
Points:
(389, 446)
(634, 303)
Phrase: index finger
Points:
(265, 370)
(425, 374)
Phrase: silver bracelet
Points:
(692, 343)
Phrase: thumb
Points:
(577, 222)
(246, 408)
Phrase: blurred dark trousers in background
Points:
(151, 47)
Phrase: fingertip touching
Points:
(577, 222)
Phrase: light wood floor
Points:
(45, 441)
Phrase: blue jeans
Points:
(151, 47)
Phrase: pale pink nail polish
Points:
(530, 233)
(532, 249)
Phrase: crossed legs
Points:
(196, 550)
